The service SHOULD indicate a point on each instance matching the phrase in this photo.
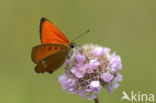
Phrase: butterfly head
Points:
(72, 44)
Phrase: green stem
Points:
(96, 100)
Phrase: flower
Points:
(95, 86)
(89, 68)
(107, 77)
(111, 86)
(80, 58)
(79, 71)
(99, 51)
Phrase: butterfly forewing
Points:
(51, 63)
(49, 33)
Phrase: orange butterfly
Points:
(54, 48)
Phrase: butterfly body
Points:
(53, 50)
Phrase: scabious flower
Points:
(89, 68)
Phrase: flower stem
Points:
(96, 100)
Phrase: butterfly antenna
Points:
(80, 35)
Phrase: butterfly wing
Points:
(54, 48)
(49, 33)
(51, 63)
(42, 51)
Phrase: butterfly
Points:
(53, 50)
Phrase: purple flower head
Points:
(91, 96)
(118, 77)
(81, 93)
(90, 68)
(80, 58)
(107, 77)
(67, 83)
(95, 86)
(99, 51)
(115, 62)
(106, 50)
(79, 71)
(94, 63)
(111, 86)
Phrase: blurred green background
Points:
(126, 26)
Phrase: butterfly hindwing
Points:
(40, 52)
(51, 63)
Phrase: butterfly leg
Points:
(70, 54)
